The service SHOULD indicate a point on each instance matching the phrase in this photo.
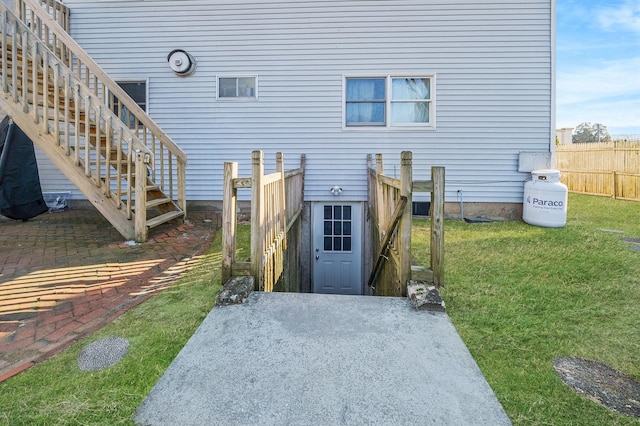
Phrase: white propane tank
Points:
(545, 199)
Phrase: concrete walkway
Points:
(307, 359)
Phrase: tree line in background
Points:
(590, 132)
(596, 132)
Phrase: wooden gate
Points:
(390, 202)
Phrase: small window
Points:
(389, 101)
(237, 87)
(137, 90)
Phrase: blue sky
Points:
(598, 64)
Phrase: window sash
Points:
(365, 101)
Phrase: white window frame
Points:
(237, 98)
(431, 125)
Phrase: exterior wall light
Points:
(336, 190)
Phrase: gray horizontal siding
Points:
(493, 94)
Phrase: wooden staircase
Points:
(134, 174)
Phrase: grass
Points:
(519, 296)
(57, 392)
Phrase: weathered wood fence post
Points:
(229, 219)
(140, 214)
(257, 218)
(406, 184)
(437, 225)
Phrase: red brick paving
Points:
(65, 275)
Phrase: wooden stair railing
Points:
(83, 137)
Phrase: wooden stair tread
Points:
(163, 218)
(158, 201)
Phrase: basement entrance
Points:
(337, 248)
(324, 250)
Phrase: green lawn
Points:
(522, 295)
(57, 392)
(519, 295)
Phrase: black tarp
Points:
(20, 191)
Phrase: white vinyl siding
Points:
(492, 61)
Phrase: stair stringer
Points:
(48, 144)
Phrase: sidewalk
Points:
(65, 275)
(309, 359)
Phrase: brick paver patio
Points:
(64, 275)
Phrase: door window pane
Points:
(327, 212)
(337, 212)
(346, 228)
(327, 227)
(347, 212)
(337, 228)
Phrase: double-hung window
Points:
(389, 102)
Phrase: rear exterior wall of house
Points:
(488, 67)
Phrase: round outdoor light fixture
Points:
(182, 63)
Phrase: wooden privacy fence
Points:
(608, 168)
(276, 204)
(390, 202)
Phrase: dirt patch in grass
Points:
(600, 383)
